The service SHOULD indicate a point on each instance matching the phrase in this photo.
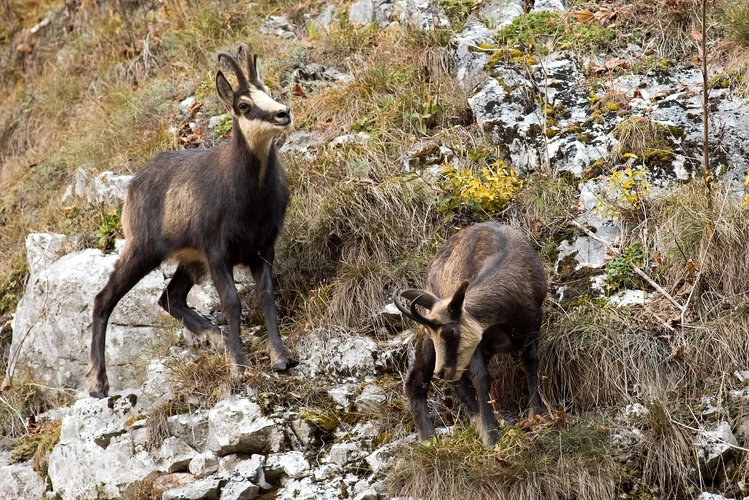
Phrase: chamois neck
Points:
(255, 149)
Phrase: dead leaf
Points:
(657, 258)
(616, 63)
(299, 91)
(584, 16)
(561, 418)
(696, 36)
(537, 229)
(194, 108)
(24, 48)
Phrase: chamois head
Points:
(258, 116)
(453, 331)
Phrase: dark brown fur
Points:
(211, 210)
(486, 277)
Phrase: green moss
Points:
(325, 420)
(653, 156)
(563, 32)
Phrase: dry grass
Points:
(705, 254)
(528, 462)
(379, 235)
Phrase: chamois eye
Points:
(447, 333)
(243, 107)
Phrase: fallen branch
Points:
(636, 269)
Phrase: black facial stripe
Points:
(451, 351)
(255, 112)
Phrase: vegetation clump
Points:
(548, 31)
(485, 193)
(533, 459)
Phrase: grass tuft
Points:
(530, 461)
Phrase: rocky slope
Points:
(538, 109)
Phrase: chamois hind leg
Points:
(485, 421)
(280, 355)
(530, 364)
(174, 301)
(417, 386)
(222, 275)
(129, 270)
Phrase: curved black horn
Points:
(412, 312)
(252, 73)
(241, 78)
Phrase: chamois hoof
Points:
(282, 366)
(98, 394)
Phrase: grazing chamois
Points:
(484, 295)
(209, 209)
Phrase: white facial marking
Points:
(260, 133)
(471, 333)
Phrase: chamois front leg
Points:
(530, 364)
(485, 421)
(280, 355)
(223, 280)
(417, 386)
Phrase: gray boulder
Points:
(19, 481)
(51, 330)
(238, 426)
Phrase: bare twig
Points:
(708, 176)
(636, 269)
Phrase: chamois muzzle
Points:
(284, 117)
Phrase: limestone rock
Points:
(203, 489)
(175, 455)
(105, 188)
(204, 464)
(372, 397)
(714, 446)
(361, 12)
(191, 428)
(19, 481)
(343, 453)
(291, 464)
(239, 490)
(97, 455)
(238, 426)
(52, 326)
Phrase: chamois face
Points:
(259, 117)
(455, 334)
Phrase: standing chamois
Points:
(485, 289)
(210, 210)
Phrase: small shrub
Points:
(458, 9)
(109, 228)
(619, 272)
(37, 445)
(485, 193)
(625, 191)
(224, 126)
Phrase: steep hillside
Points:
(580, 124)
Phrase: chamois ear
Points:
(422, 297)
(225, 92)
(455, 308)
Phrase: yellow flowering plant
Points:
(487, 192)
